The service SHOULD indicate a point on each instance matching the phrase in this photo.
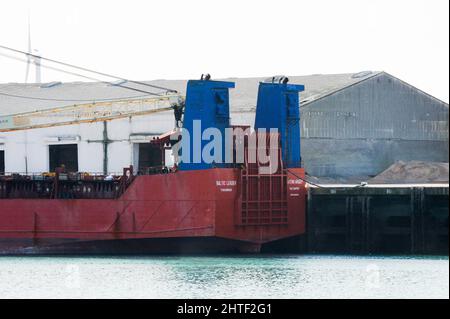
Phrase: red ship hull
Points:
(196, 211)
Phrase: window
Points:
(66, 155)
(150, 155)
(2, 162)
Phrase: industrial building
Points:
(352, 125)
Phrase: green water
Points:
(225, 277)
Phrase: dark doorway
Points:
(149, 156)
(66, 155)
(2, 162)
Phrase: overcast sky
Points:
(171, 39)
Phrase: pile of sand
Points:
(413, 172)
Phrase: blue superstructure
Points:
(207, 106)
(278, 107)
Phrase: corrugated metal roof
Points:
(243, 97)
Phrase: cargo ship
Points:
(198, 206)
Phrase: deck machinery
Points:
(198, 206)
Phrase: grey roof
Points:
(243, 97)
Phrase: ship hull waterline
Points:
(197, 211)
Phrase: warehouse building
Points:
(352, 125)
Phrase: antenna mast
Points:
(32, 58)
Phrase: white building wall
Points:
(28, 150)
(36, 154)
(152, 124)
(15, 151)
(90, 157)
(243, 118)
(119, 156)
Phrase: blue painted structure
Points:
(278, 107)
(207, 105)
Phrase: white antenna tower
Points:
(35, 58)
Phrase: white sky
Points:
(171, 39)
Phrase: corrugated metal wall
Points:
(364, 128)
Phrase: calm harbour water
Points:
(275, 276)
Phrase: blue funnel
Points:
(278, 107)
(207, 106)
